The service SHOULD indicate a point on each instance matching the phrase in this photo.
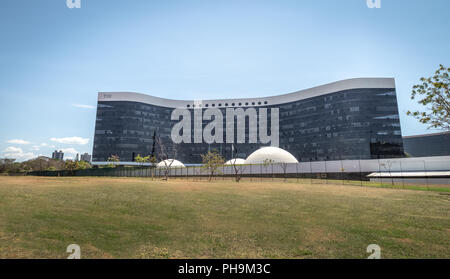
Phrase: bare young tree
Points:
(164, 155)
(266, 163)
(284, 167)
(238, 169)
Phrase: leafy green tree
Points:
(433, 93)
(153, 160)
(82, 165)
(113, 159)
(211, 163)
(139, 159)
(6, 165)
(70, 166)
(142, 160)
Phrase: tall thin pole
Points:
(401, 173)
(360, 171)
(426, 174)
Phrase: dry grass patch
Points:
(141, 218)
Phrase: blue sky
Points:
(54, 60)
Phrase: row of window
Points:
(226, 104)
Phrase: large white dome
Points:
(277, 155)
(237, 161)
(166, 163)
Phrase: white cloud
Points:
(70, 151)
(18, 154)
(83, 106)
(13, 149)
(44, 144)
(18, 141)
(71, 140)
(35, 148)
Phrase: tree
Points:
(141, 160)
(82, 165)
(238, 169)
(6, 165)
(266, 163)
(284, 167)
(164, 155)
(434, 93)
(211, 163)
(113, 159)
(153, 160)
(147, 159)
(70, 166)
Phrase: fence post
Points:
(260, 172)
(379, 172)
(426, 174)
(360, 171)
(272, 170)
(401, 173)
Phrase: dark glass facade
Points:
(348, 124)
(428, 145)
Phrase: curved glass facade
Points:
(347, 124)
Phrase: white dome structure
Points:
(277, 155)
(170, 162)
(237, 161)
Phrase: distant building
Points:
(437, 144)
(77, 158)
(58, 155)
(86, 157)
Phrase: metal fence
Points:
(343, 171)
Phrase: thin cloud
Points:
(71, 140)
(13, 149)
(83, 106)
(19, 141)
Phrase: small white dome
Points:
(277, 155)
(170, 162)
(237, 161)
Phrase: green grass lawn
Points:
(141, 218)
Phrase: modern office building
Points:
(58, 155)
(349, 119)
(437, 144)
(85, 157)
